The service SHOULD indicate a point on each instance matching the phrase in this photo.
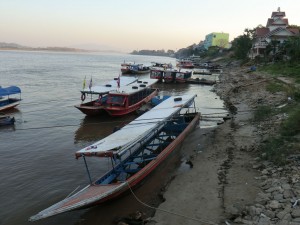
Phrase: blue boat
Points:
(6, 101)
(6, 120)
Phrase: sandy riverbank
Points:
(225, 178)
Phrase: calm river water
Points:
(38, 167)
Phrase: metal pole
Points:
(87, 169)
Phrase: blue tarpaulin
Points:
(9, 90)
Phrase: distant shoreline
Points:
(62, 50)
(52, 49)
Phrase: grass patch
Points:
(283, 69)
(262, 113)
(291, 126)
(275, 150)
(278, 148)
(274, 87)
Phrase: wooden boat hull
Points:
(90, 109)
(9, 104)
(180, 80)
(96, 194)
(135, 71)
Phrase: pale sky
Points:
(128, 25)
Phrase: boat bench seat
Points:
(139, 161)
(109, 179)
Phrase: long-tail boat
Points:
(135, 150)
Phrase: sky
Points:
(127, 25)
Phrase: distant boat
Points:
(185, 64)
(157, 73)
(135, 69)
(6, 101)
(182, 76)
(121, 101)
(157, 70)
(163, 66)
(169, 76)
(135, 150)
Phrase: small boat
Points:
(135, 69)
(169, 76)
(163, 66)
(6, 120)
(157, 70)
(6, 101)
(135, 150)
(121, 101)
(125, 66)
(185, 64)
(92, 107)
(182, 76)
(157, 73)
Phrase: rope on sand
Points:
(166, 211)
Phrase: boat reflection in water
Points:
(95, 128)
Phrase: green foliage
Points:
(274, 87)
(262, 113)
(291, 126)
(241, 46)
(292, 48)
(283, 69)
(275, 150)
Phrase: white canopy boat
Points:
(135, 151)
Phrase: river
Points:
(38, 167)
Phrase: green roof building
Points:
(217, 39)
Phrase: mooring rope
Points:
(166, 211)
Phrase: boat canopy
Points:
(110, 85)
(134, 87)
(9, 90)
(133, 132)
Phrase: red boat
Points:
(182, 77)
(169, 76)
(136, 150)
(185, 64)
(121, 101)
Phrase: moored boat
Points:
(136, 151)
(157, 73)
(92, 106)
(157, 70)
(182, 76)
(185, 64)
(169, 76)
(6, 101)
(135, 69)
(123, 100)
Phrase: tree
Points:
(292, 48)
(241, 46)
